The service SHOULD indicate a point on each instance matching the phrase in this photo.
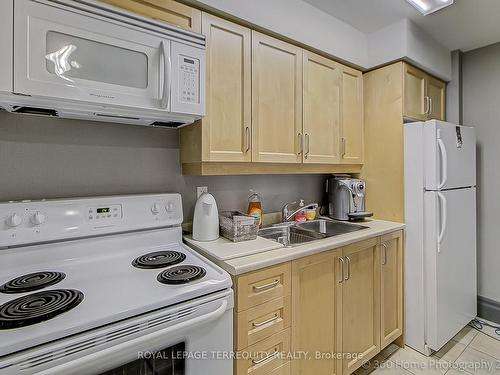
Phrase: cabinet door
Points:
(164, 10)
(316, 313)
(276, 100)
(436, 94)
(391, 299)
(227, 124)
(321, 109)
(361, 303)
(352, 116)
(415, 105)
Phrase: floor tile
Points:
(391, 368)
(457, 372)
(389, 350)
(370, 366)
(466, 335)
(477, 363)
(417, 363)
(450, 352)
(486, 344)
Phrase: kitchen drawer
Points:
(266, 357)
(255, 288)
(262, 321)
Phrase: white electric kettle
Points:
(206, 219)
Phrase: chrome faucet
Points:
(286, 216)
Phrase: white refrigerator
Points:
(440, 214)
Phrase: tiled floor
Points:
(469, 352)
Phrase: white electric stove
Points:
(100, 285)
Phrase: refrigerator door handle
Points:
(444, 218)
(444, 156)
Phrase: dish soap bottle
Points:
(301, 215)
(255, 207)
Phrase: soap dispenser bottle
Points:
(255, 207)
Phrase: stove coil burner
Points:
(158, 259)
(181, 274)
(38, 307)
(31, 282)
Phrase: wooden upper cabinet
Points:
(415, 105)
(163, 10)
(361, 303)
(227, 124)
(436, 94)
(276, 100)
(391, 319)
(424, 95)
(351, 130)
(316, 308)
(321, 109)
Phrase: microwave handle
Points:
(167, 76)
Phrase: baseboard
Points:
(488, 309)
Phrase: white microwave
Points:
(86, 59)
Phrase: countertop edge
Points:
(253, 262)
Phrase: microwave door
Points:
(67, 55)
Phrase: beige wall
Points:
(50, 158)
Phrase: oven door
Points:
(190, 339)
(65, 53)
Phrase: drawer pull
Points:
(266, 358)
(266, 286)
(275, 317)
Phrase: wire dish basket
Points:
(237, 226)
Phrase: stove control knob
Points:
(170, 207)
(156, 209)
(14, 220)
(38, 218)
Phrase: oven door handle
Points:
(80, 365)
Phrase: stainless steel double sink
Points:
(294, 234)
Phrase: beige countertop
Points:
(253, 255)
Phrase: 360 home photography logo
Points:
(492, 367)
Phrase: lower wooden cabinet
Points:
(391, 296)
(343, 307)
(265, 357)
(316, 311)
(360, 303)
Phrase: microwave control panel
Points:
(189, 79)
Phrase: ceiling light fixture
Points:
(427, 7)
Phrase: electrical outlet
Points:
(200, 190)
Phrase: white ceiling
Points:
(466, 25)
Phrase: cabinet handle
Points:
(343, 147)
(384, 258)
(430, 106)
(247, 139)
(307, 146)
(341, 265)
(266, 286)
(301, 143)
(348, 268)
(266, 358)
(275, 317)
(426, 105)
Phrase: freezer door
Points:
(449, 156)
(449, 263)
